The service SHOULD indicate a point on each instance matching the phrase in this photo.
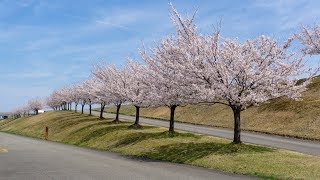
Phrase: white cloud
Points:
(29, 75)
(106, 22)
(123, 18)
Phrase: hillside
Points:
(155, 143)
(280, 116)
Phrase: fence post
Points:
(47, 133)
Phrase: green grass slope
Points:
(280, 116)
(155, 143)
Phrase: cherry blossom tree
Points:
(101, 94)
(83, 96)
(98, 93)
(21, 111)
(74, 95)
(167, 74)
(58, 96)
(167, 85)
(52, 102)
(87, 93)
(64, 97)
(36, 104)
(233, 73)
(17, 112)
(253, 72)
(136, 91)
(61, 99)
(310, 38)
(114, 81)
(68, 95)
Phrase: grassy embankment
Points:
(153, 142)
(280, 116)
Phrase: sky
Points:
(49, 44)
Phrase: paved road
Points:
(304, 146)
(35, 159)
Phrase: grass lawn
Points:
(280, 116)
(155, 143)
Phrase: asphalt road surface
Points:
(34, 159)
(299, 145)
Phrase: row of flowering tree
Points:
(31, 107)
(188, 67)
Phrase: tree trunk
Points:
(101, 111)
(136, 122)
(118, 110)
(82, 106)
(70, 106)
(236, 115)
(90, 107)
(172, 110)
(76, 107)
(37, 112)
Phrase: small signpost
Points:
(47, 133)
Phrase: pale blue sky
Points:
(47, 44)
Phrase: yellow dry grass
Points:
(3, 150)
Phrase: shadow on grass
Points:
(189, 152)
(63, 121)
(99, 123)
(72, 121)
(135, 126)
(101, 131)
(134, 138)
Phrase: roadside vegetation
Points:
(279, 116)
(156, 143)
